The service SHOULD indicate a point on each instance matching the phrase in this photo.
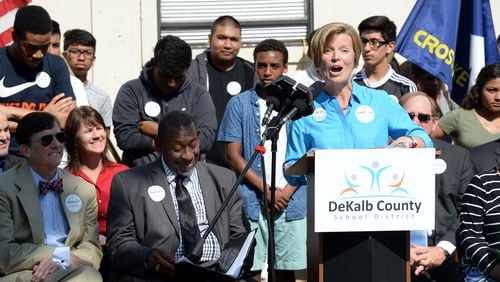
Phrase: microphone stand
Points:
(271, 132)
(273, 136)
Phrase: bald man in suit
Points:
(145, 235)
(48, 218)
(436, 262)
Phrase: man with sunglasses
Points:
(30, 79)
(48, 217)
(453, 172)
(378, 37)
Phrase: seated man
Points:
(48, 217)
(436, 262)
(147, 213)
(4, 140)
(161, 87)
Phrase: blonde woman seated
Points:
(87, 148)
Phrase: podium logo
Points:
(374, 180)
(374, 187)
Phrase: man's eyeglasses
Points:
(421, 117)
(77, 52)
(46, 140)
(374, 43)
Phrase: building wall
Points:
(127, 30)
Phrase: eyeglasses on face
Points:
(77, 52)
(421, 117)
(46, 140)
(374, 43)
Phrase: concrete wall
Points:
(126, 30)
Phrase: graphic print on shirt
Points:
(42, 80)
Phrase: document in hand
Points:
(227, 268)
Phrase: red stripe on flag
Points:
(6, 37)
(9, 5)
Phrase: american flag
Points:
(8, 9)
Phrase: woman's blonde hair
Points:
(326, 32)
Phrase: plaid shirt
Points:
(211, 248)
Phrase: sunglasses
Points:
(421, 117)
(46, 140)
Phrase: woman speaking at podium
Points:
(347, 115)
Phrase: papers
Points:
(227, 268)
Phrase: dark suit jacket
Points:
(486, 156)
(450, 186)
(137, 224)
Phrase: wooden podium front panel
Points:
(354, 256)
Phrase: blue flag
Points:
(450, 39)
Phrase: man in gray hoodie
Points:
(162, 86)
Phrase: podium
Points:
(350, 233)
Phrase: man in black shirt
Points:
(224, 74)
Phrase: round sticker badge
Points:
(233, 88)
(152, 109)
(319, 114)
(394, 98)
(42, 79)
(365, 114)
(73, 203)
(439, 166)
(156, 193)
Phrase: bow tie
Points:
(55, 185)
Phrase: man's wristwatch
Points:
(446, 254)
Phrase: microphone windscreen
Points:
(301, 106)
(273, 100)
(316, 88)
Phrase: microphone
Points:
(278, 94)
(271, 102)
(299, 109)
(290, 99)
(316, 88)
(306, 95)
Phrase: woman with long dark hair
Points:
(478, 121)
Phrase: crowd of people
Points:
(71, 210)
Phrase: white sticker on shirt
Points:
(394, 98)
(440, 166)
(73, 203)
(152, 109)
(319, 114)
(365, 114)
(156, 193)
(233, 88)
